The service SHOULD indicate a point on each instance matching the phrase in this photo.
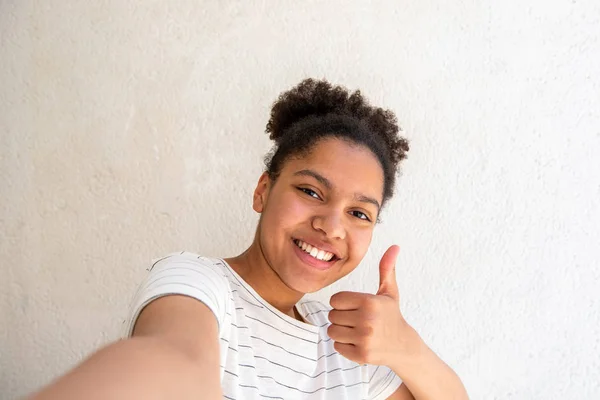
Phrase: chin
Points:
(303, 285)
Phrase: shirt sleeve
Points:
(182, 274)
(383, 382)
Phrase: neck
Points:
(253, 267)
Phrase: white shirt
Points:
(264, 353)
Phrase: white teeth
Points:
(313, 251)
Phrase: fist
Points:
(369, 328)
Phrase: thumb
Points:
(387, 273)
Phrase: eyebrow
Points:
(327, 183)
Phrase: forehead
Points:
(350, 167)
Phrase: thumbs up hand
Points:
(370, 329)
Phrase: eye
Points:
(310, 192)
(360, 215)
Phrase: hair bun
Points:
(309, 98)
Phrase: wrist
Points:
(426, 375)
(414, 352)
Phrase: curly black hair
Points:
(315, 109)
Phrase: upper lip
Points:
(322, 246)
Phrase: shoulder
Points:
(183, 258)
(183, 273)
(193, 267)
(186, 269)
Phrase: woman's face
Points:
(325, 203)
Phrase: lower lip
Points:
(310, 260)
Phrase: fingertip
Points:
(332, 300)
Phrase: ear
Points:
(261, 193)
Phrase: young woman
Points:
(238, 328)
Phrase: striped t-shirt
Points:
(264, 353)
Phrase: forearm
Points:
(427, 376)
(140, 367)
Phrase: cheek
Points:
(286, 210)
(291, 207)
(358, 244)
(361, 239)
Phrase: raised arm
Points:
(173, 353)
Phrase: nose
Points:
(332, 225)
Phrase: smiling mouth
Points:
(315, 252)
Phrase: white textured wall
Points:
(133, 129)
